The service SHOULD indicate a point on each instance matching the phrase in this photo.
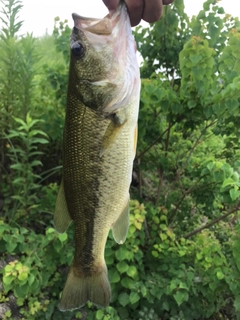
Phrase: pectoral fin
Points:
(109, 137)
(120, 227)
(113, 130)
(62, 218)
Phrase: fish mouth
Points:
(95, 26)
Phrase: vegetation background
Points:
(181, 258)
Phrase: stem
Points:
(195, 144)
(139, 179)
(160, 170)
(208, 225)
(152, 144)
(161, 175)
(174, 214)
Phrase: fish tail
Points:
(79, 289)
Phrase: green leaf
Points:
(192, 104)
(21, 291)
(234, 194)
(114, 276)
(50, 230)
(122, 266)
(237, 303)
(18, 166)
(20, 121)
(10, 246)
(35, 163)
(31, 279)
(63, 237)
(40, 140)
(179, 297)
(143, 290)
(228, 182)
(127, 282)
(165, 306)
(220, 275)
(36, 132)
(23, 276)
(8, 279)
(99, 314)
(122, 253)
(134, 297)
(123, 299)
(132, 271)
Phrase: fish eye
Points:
(77, 49)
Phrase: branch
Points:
(173, 215)
(208, 225)
(152, 144)
(195, 145)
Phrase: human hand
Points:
(148, 10)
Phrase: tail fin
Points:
(79, 290)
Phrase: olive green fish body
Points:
(99, 147)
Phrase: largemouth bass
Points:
(99, 145)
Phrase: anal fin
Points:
(61, 218)
(120, 226)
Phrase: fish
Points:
(99, 146)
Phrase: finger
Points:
(165, 2)
(152, 10)
(111, 4)
(135, 10)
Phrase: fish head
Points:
(103, 65)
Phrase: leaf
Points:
(31, 279)
(134, 297)
(36, 132)
(20, 121)
(234, 194)
(114, 276)
(228, 182)
(124, 299)
(10, 246)
(192, 104)
(179, 297)
(127, 282)
(122, 266)
(21, 291)
(35, 163)
(220, 275)
(122, 253)
(63, 237)
(99, 314)
(50, 230)
(18, 166)
(8, 279)
(40, 140)
(237, 303)
(132, 271)
(23, 276)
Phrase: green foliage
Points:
(181, 256)
(23, 143)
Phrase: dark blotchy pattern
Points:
(82, 166)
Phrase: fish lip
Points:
(93, 25)
(76, 16)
